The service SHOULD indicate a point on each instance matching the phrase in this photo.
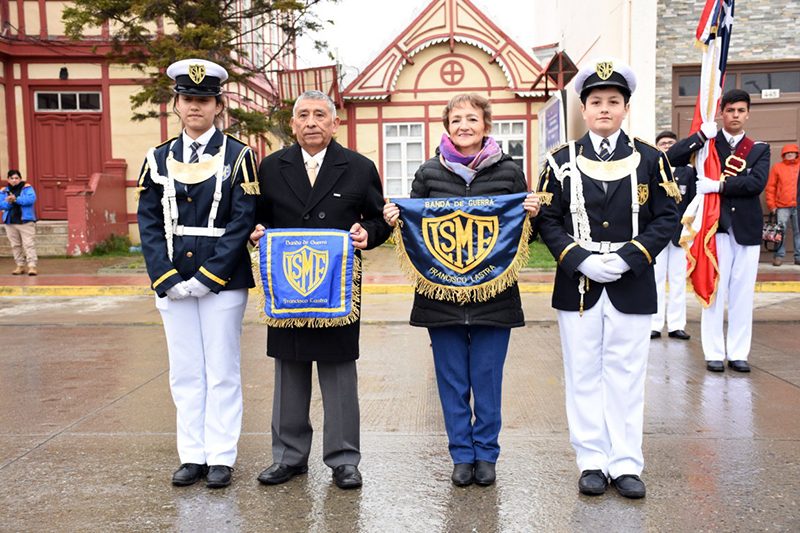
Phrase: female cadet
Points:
(470, 340)
(196, 209)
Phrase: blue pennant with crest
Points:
(463, 249)
(309, 277)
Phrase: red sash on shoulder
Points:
(736, 162)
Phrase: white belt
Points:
(196, 231)
(604, 247)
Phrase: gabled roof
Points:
(449, 21)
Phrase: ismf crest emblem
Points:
(643, 193)
(305, 268)
(460, 241)
(197, 72)
(604, 69)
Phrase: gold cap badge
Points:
(197, 72)
(604, 69)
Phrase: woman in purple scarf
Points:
(470, 340)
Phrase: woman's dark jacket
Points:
(433, 180)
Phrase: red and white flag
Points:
(702, 214)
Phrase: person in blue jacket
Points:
(196, 209)
(17, 203)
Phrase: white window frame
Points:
(404, 142)
(77, 100)
(502, 139)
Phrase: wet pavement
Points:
(87, 432)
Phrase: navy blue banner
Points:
(307, 277)
(463, 249)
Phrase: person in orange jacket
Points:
(782, 198)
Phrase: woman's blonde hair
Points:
(473, 99)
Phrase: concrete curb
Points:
(388, 288)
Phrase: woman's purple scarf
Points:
(467, 166)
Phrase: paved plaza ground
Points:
(87, 432)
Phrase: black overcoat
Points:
(347, 190)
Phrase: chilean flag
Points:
(702, 215)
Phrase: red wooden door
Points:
(68, 150)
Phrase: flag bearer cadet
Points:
(196, 210)
(745, 168)
(609, 207)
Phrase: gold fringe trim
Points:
(251, 188)
(462, 295)
(685, 241)
(355, 310)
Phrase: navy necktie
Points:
(605, 153)
(194, 157)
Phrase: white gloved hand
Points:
(616, 262)
(707, 186)
(594, 268)
(179, 291)
(709, 129)
(196, 288)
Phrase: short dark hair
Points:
(666, 134)
(733, 96)
(14, 172)
(626, 95)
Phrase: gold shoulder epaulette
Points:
(235, 138)
(167, 141)
(669, 185)
(646, 143)
(556, 149)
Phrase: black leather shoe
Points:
(188, 474)
(280, 473)
(739, 366)
(484, 473)
(463, 474)
(655, 334)
(680, 334)
(218, 476)
(630, 486)
(715, 366)
(592, 482)
(347, 477)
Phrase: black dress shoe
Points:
(739, 366)
(347, 477)
(655, 334)
(463, 474)
(680, 334)
(280, 473)
(592, 482)
(630, 486)
(188, 474)
(218, 476)
(484, 473)
(715, 366)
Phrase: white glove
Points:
(616, 263)
(594, 268)
(196, 288)
(707, 186)
(179, 291)
(709, 129)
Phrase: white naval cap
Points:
(605, 72)
(197, 77)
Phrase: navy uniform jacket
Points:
(740, 208)
(609, 214)
(220, 263)
(686, 178)
(347, 190)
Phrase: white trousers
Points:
(670, 267)
(605, 365)
(203, 336)
(738, 268)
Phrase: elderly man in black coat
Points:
(316, 183)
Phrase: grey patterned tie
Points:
(605, 153)
(733, 144)
(194, 157)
